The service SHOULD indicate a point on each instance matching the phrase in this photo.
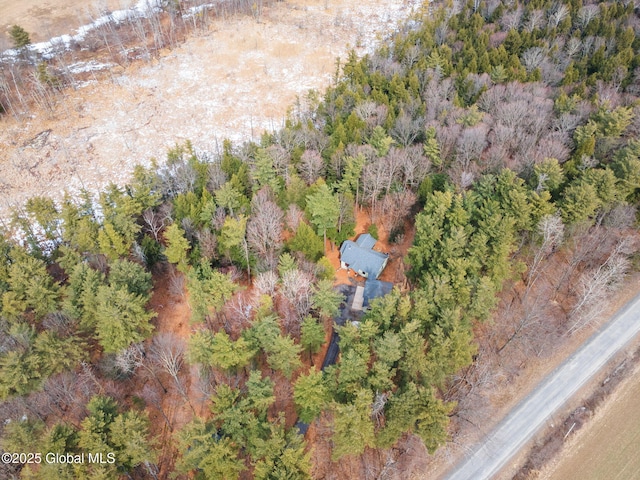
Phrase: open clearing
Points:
(608, 446)
(235, 81)
(44, 19)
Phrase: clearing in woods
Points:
(44, 19)
(233, 81)
(607, 449)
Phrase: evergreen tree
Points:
(208, 289)
(130, 275)
(177, 246)
(311, 395)
(19, 36)
(229, 355)
(284, 355)
(326, 299)
(281, 455)
(311, 334)
(123, 435)
(324, 209)
(352, 426)
(82, 290)
(306, 241)
(206, 453)
(121, 318)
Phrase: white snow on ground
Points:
(91, 66)
(235, 82)
(49, 48)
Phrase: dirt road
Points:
(549, 396)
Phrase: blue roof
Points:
(374, 289)
(363, 260)
(366, 241)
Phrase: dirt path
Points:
(234, 82)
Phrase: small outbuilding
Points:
(360, 257)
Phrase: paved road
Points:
(550, 395)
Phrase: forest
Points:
(501, 136)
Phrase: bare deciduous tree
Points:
(512, 19)
(217, 177)
(586, 14)
(533, 58)
(534, 20)
(414, 166)
(558, 14)
(471, 144)
(208, 242)
(154, 222)
(294, 217)
(167, 352)
(152, 396)
(297, 289)
(311, 166)
(407, 129)
(264, 228)
(595, 286)
(266, 282)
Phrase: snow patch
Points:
(90, 66)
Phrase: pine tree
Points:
(229, 197)
(81, 294)
(203, 449)
(130, 275)
(229, 355)
(19, 36)
(311, 395)
(124, 435)
(208, 289)
(232, 241)
(284, 355)
(326, 299)
(352, 426)
(312, 334)
(306, 241)
(177, 246)
(281, 455)
(324, 209)
(128, 435)
(121, 318)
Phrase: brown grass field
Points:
(607, 448)
(235, 80)
(44, 19)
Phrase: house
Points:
(371, 289)
(360, 257)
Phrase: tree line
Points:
(493, 128)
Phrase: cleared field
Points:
(610, 447)
(44, 19)
(234, 81)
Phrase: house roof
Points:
(374, 289)
(362, 258)
(366, 241)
